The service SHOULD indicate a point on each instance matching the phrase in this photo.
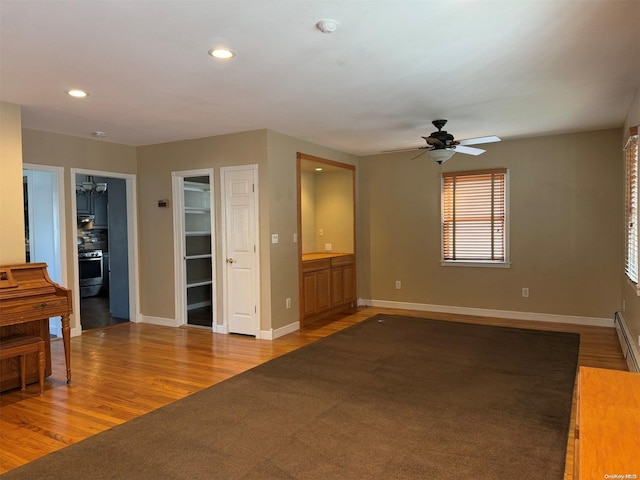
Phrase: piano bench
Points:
(19, 346)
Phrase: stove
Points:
(90, 269)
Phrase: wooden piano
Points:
(28, 298)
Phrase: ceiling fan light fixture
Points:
(440, 155)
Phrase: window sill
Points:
(456, 263)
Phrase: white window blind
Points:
(631, 210)
(474, 216)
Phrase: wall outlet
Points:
(274, 238)
(525, 292)
(398, 284)
(328, 247)
(287, 303)
(321, 232)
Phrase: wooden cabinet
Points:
(342, 280)
(328, 284)
(317, 291)
(607, 443)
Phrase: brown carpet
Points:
(390, 398)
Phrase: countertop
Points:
(322, 255)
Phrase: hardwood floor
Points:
(94, 313)
(123, 371)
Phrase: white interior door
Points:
(239, 187)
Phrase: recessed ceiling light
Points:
(77, 93)
(318, 169)
(222, 53)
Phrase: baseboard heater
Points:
(629, 349)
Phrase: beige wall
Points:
(12, 247)
(155, 164)
(327, 204)
(335, 210)
(630, 298)
(53, 149)
(566, 217)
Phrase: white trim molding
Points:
(279, 332)
(483, 312)
(164, 322)
(629, 349)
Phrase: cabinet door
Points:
(83, 204)
(337, 286)
(309, 287)
(323, 290)
(348, 284)
(100, 211)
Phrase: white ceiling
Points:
(513, 68)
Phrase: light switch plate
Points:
(274, 238)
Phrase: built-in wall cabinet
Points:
(326, 222)
(198, 266)
(195, 278)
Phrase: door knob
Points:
(230, 260)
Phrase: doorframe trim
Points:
(179, 248)
(62, 218)
(223, 240)
(132, 243)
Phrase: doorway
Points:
(104, 206)
(45, 224)
(195, 243)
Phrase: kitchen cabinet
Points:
(328, 284)
(99, 206)
(83, 205)
(95, 204)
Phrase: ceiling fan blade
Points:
(419, 155)
(469, 150)
(409, 149)
(479, 140)
(433, 141)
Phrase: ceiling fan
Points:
(441, 145)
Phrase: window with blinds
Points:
(631, 207)
(474, 217)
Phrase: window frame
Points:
(632, 210)
(504, 263)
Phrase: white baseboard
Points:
(630, 351)
(279, 332)
(221, 329)
(482, 312)
(165, 322)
